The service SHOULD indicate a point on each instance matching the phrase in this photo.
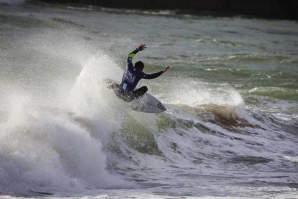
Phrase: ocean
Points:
(230, 131)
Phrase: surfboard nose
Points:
(161, 106)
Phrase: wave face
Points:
(231, 94)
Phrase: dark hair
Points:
(139, 65)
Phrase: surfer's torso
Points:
(132, 76)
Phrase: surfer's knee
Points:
(145, 88)
(141, 91)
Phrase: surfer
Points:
(132, 75)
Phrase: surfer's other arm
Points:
(155, 75)
(166, 68)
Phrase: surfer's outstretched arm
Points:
(133, 53)
(155, 75)
(129, 58)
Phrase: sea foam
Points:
(47, 149)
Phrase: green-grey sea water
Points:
(231, 93)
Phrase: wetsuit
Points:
(130, 79)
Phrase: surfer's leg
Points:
(140, 92)
(126, 96)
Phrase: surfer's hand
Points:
(142, 47)
(164, 70)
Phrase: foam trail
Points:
(223, 100)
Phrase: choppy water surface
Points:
(231, 93)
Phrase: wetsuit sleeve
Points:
(152, 76)
(129, 58)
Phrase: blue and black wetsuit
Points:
(130, 79)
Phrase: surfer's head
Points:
(139, 65)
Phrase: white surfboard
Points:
(146, 103)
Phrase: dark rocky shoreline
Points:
(268, 9)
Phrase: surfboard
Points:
(146, 103)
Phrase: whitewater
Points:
(230, 130)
